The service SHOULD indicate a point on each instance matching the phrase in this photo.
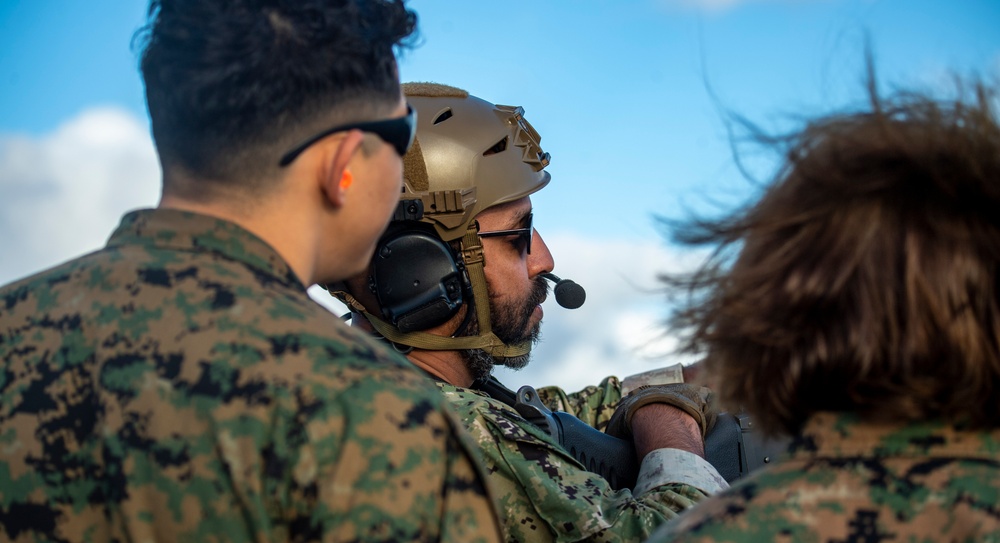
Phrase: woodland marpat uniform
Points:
(848, 481)
(547, 495)
(180, 385)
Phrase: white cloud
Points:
(324, 298)
(708, 5)
(61, 195)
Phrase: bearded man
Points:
(456, 283)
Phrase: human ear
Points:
(336, 178)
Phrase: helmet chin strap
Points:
(472, 256)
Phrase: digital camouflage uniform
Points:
(547, 495)
(180, 385)
(848, 481)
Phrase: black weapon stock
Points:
(731, 446)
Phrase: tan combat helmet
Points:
(468, 155)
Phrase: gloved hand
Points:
(694, 400)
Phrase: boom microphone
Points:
(568, 294)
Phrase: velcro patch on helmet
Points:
(433, 90)
(415, 171)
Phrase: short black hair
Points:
(229, 82)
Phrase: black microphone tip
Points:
(569, 294)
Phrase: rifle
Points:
(732, 446)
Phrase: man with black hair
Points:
(179, 384)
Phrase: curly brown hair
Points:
(866, 278)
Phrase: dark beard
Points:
(510, 324)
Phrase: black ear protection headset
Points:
(417, 278)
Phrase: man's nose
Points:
(540, 260)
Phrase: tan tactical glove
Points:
(694, 400)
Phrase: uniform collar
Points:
(188, 231)
(844, 434)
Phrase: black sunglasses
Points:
(398, 132)
(525, 233)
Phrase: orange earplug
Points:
(346, 180)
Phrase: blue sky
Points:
(626, 95)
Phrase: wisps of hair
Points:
(866, 278)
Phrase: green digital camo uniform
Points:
(847, 481)
(180, 385)
(547, 495)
